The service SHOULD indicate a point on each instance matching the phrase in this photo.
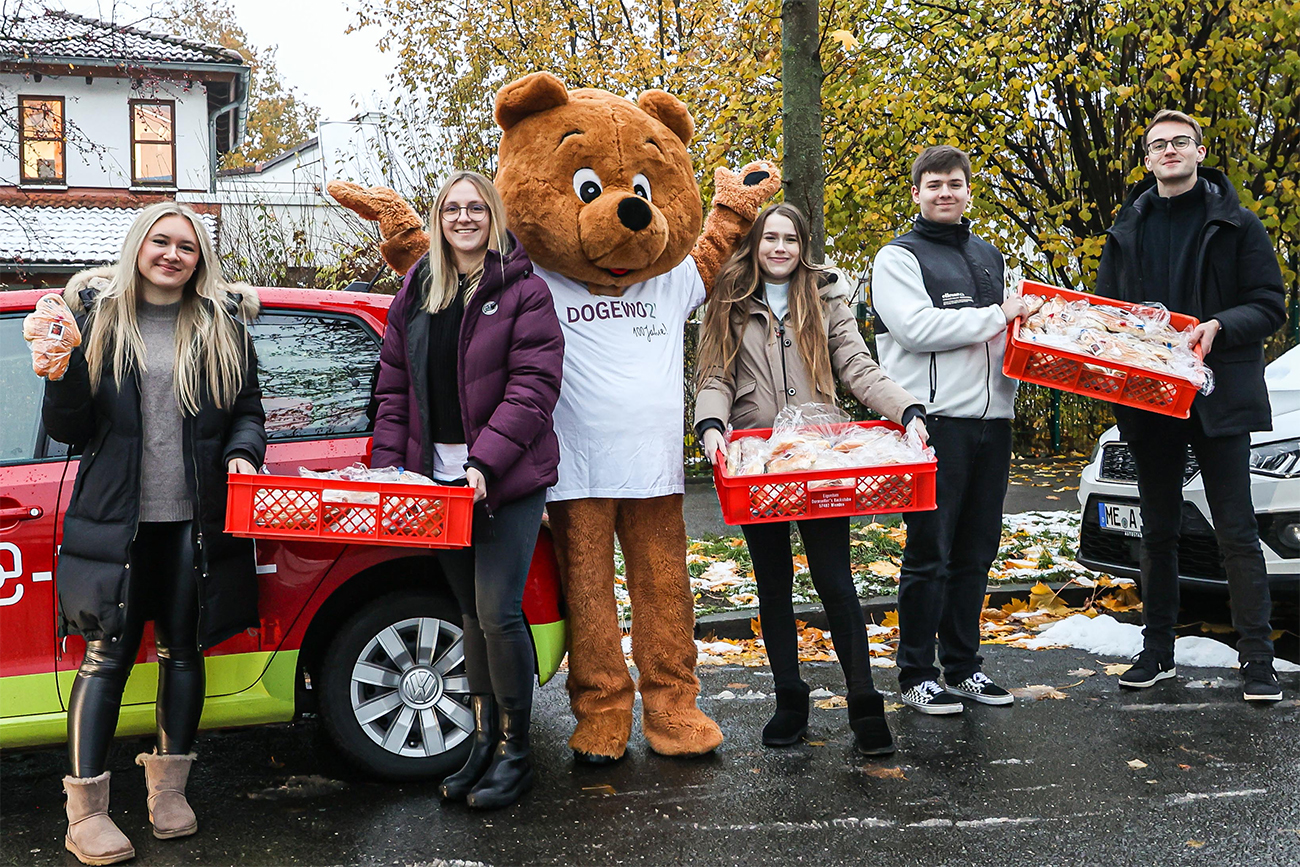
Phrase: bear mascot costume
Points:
(601, 192)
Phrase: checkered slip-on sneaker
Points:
(979, 688)
(928, 697)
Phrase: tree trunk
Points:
(801, 116)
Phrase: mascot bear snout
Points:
(622, 233)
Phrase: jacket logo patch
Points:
(952, 298)
(489, 308)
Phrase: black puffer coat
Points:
(1237, 281)
(100, 522)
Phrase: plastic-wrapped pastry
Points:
(822, 446)
(1139, 337)
(52, 333)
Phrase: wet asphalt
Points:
(1045, 782)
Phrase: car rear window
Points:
(20, 394)
(316, 373)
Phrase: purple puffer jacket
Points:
(511, 355)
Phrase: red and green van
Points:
(368, 637)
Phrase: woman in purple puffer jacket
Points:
(469, 375)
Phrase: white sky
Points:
(329, 67)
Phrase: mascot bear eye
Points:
(641, 186)
(586, 184)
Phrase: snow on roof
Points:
(63, 35)
(67, 236)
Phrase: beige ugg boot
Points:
(92, 835)
(169, 812)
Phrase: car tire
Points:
(394, 696)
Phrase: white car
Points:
(1111, 526)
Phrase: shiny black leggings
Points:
(163, 583)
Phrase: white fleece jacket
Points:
(949, 358)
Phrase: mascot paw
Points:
(746, 191)
(393, 213)
(684, 731)
(405, 240)
(601, 739)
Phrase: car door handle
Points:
(21, 513)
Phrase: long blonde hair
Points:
(740, 277)
(210, 351)
(443, 276)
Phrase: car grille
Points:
(1198, 550)
(1117, 464)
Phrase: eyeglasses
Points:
(1180, 142)
(476, 212)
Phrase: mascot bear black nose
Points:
(634, 213)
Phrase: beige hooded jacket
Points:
(768, 373)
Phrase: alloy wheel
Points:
(409, 691)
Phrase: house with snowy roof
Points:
(98, 120)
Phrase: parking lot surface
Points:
(1185, 773)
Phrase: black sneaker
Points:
(1148, 668)
(928, 697)
(979, 688)
(1260, 682)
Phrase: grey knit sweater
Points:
(163, 492)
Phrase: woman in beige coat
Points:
(778, 332)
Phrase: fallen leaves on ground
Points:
(1136, 764)
(831, 703)
(1081, 672)
(1038, 692)
(1115, 668)
(885, 773)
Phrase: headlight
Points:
(1281, 460)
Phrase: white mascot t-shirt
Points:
(619, 418)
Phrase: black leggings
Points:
(488, 580)
(163, 582)
(826, 543)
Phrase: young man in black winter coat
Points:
(1184, 240)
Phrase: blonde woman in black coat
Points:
(162, 397)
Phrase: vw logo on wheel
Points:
(420, 687)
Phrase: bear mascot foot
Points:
(601, 738)
(683, 731)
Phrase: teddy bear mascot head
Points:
(602, 194)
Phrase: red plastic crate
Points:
(1080, 373)
(291, 507)
(762, 499)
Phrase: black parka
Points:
(1237, 281)
(94, 565)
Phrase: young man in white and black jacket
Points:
(1184, 240)
(941, 315)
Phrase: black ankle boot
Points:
(790, 721)
(482, 744)
(870, 730)
(511, 772)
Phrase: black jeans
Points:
(488, 580)
(826, 543)
(1159, 444)
(163, 583)
(949, 550)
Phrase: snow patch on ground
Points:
(1064, 522)
(1106, 636)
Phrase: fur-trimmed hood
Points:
(242, 300)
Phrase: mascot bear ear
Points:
(535, 92)
(669, 111)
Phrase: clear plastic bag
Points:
(818, 437)
(1139, 337)
(51, 332)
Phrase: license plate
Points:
(1119, 518)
